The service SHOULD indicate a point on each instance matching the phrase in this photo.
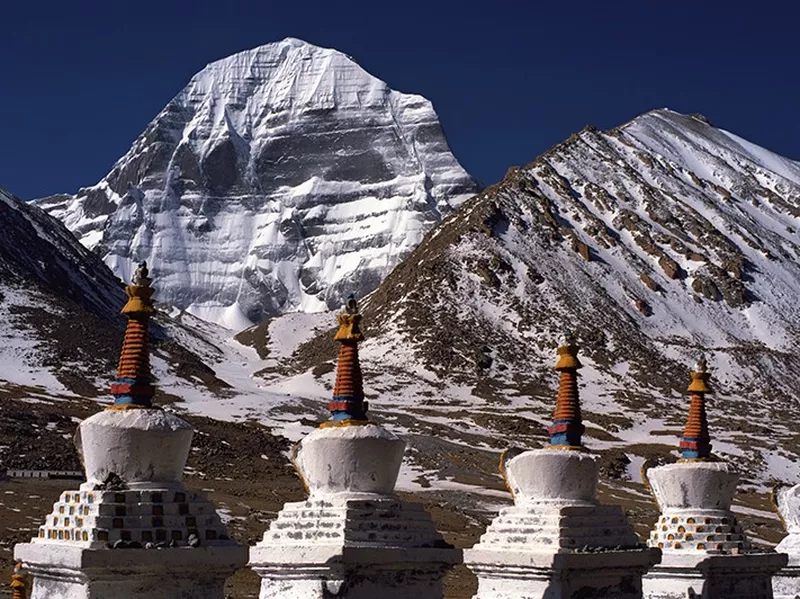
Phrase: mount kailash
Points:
(281, 178)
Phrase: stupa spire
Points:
(133, 387)
(696, 441)
(18, 585)
(348, 406)
(349, 467)
(567, 427)
(704, 551)
(557, 540)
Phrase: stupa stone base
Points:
(709, 531)
(158, 514)
(354, 546)
(706, 554)
(557, 542)
(786, 583)
(354, 572)
(606, 574)
(552, 528)
(702, 576)
(545, 551)
(62, 571)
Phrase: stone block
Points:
(72, 572)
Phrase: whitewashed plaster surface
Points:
(353, 538)
(144, 537)
(557, 541)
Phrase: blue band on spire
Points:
(693, 448)
(566, 432)
(138, 392)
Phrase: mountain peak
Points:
(692, 140)
(295, 42)
(668, 115)
(280, 178)
(289, 47)
(287, 73)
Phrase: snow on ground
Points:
(413, 479)
(19, 353)
(291, 330)
(230, 317)
(634, 468)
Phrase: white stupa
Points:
(786, 583)
(557, 541)
(352, 538)
(132, 529)
(705, 553)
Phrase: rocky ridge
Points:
(655, 241)
(59, 312)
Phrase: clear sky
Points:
(80, 80)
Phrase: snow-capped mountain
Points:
(281, 178)
(655, 241)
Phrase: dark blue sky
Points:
(80, 80)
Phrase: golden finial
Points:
(349, 321)
(700, 376)
(568, 353)
(139, 293)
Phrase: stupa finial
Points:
(18, 585)
(696, 441)
(348, 406)
(133, 387)
(139, 293)
(567, 428)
